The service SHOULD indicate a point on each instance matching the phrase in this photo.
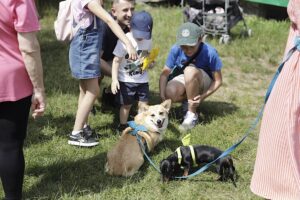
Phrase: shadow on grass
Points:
(212, 109)
(82, 176)
(69, 178)
(208, 110)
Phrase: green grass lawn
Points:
(56, 170)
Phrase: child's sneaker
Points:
(90, 133)
(189, 122)
(83, 139)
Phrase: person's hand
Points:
(163, 97)
(195, 102)
(115, 86)
(132, 55)
(152, 65)
(38, 103)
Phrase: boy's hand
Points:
(115, 86)
(195, 102)
(152, 65)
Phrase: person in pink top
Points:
(277, 167)
(21, 86)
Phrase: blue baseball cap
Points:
(141, 24)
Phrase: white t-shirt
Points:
(128, 72)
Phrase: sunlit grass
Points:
(55, 170)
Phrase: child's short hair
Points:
(141, 25)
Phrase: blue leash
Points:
(233, 147)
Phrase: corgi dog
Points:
(126, 157)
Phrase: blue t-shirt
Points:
(208, 59)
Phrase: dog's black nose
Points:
(158, 121)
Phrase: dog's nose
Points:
(158, 121)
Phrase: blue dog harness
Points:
(134, 132)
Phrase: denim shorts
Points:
(84, 53)
(131, 92)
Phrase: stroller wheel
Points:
(204, 38)
(246, 33)
(249, 33)
(224, 39)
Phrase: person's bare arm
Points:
(115, 86)
(96, 8)
(214, 86)
(30, 50)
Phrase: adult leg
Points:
(13, 126)
(89, 90)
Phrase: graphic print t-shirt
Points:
(130, 71)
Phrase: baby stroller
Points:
(216, 17)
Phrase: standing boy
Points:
(127, 75)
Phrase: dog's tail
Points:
(148, 139)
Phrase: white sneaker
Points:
(189, 122)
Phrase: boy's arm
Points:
(115, 86)
(163, 80)
(216, 83)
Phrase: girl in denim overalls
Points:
(85, 62)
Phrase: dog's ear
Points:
(167, 104)
(143, 108)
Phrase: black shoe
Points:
(90, 133)
(82, 139)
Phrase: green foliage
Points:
(56, 170)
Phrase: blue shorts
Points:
(84, 53)
(131, 92)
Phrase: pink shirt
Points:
(15, 16)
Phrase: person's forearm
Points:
(30, 50)
(115, 69)
(162, 86)
(213, 87)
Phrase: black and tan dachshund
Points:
(183, 158)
